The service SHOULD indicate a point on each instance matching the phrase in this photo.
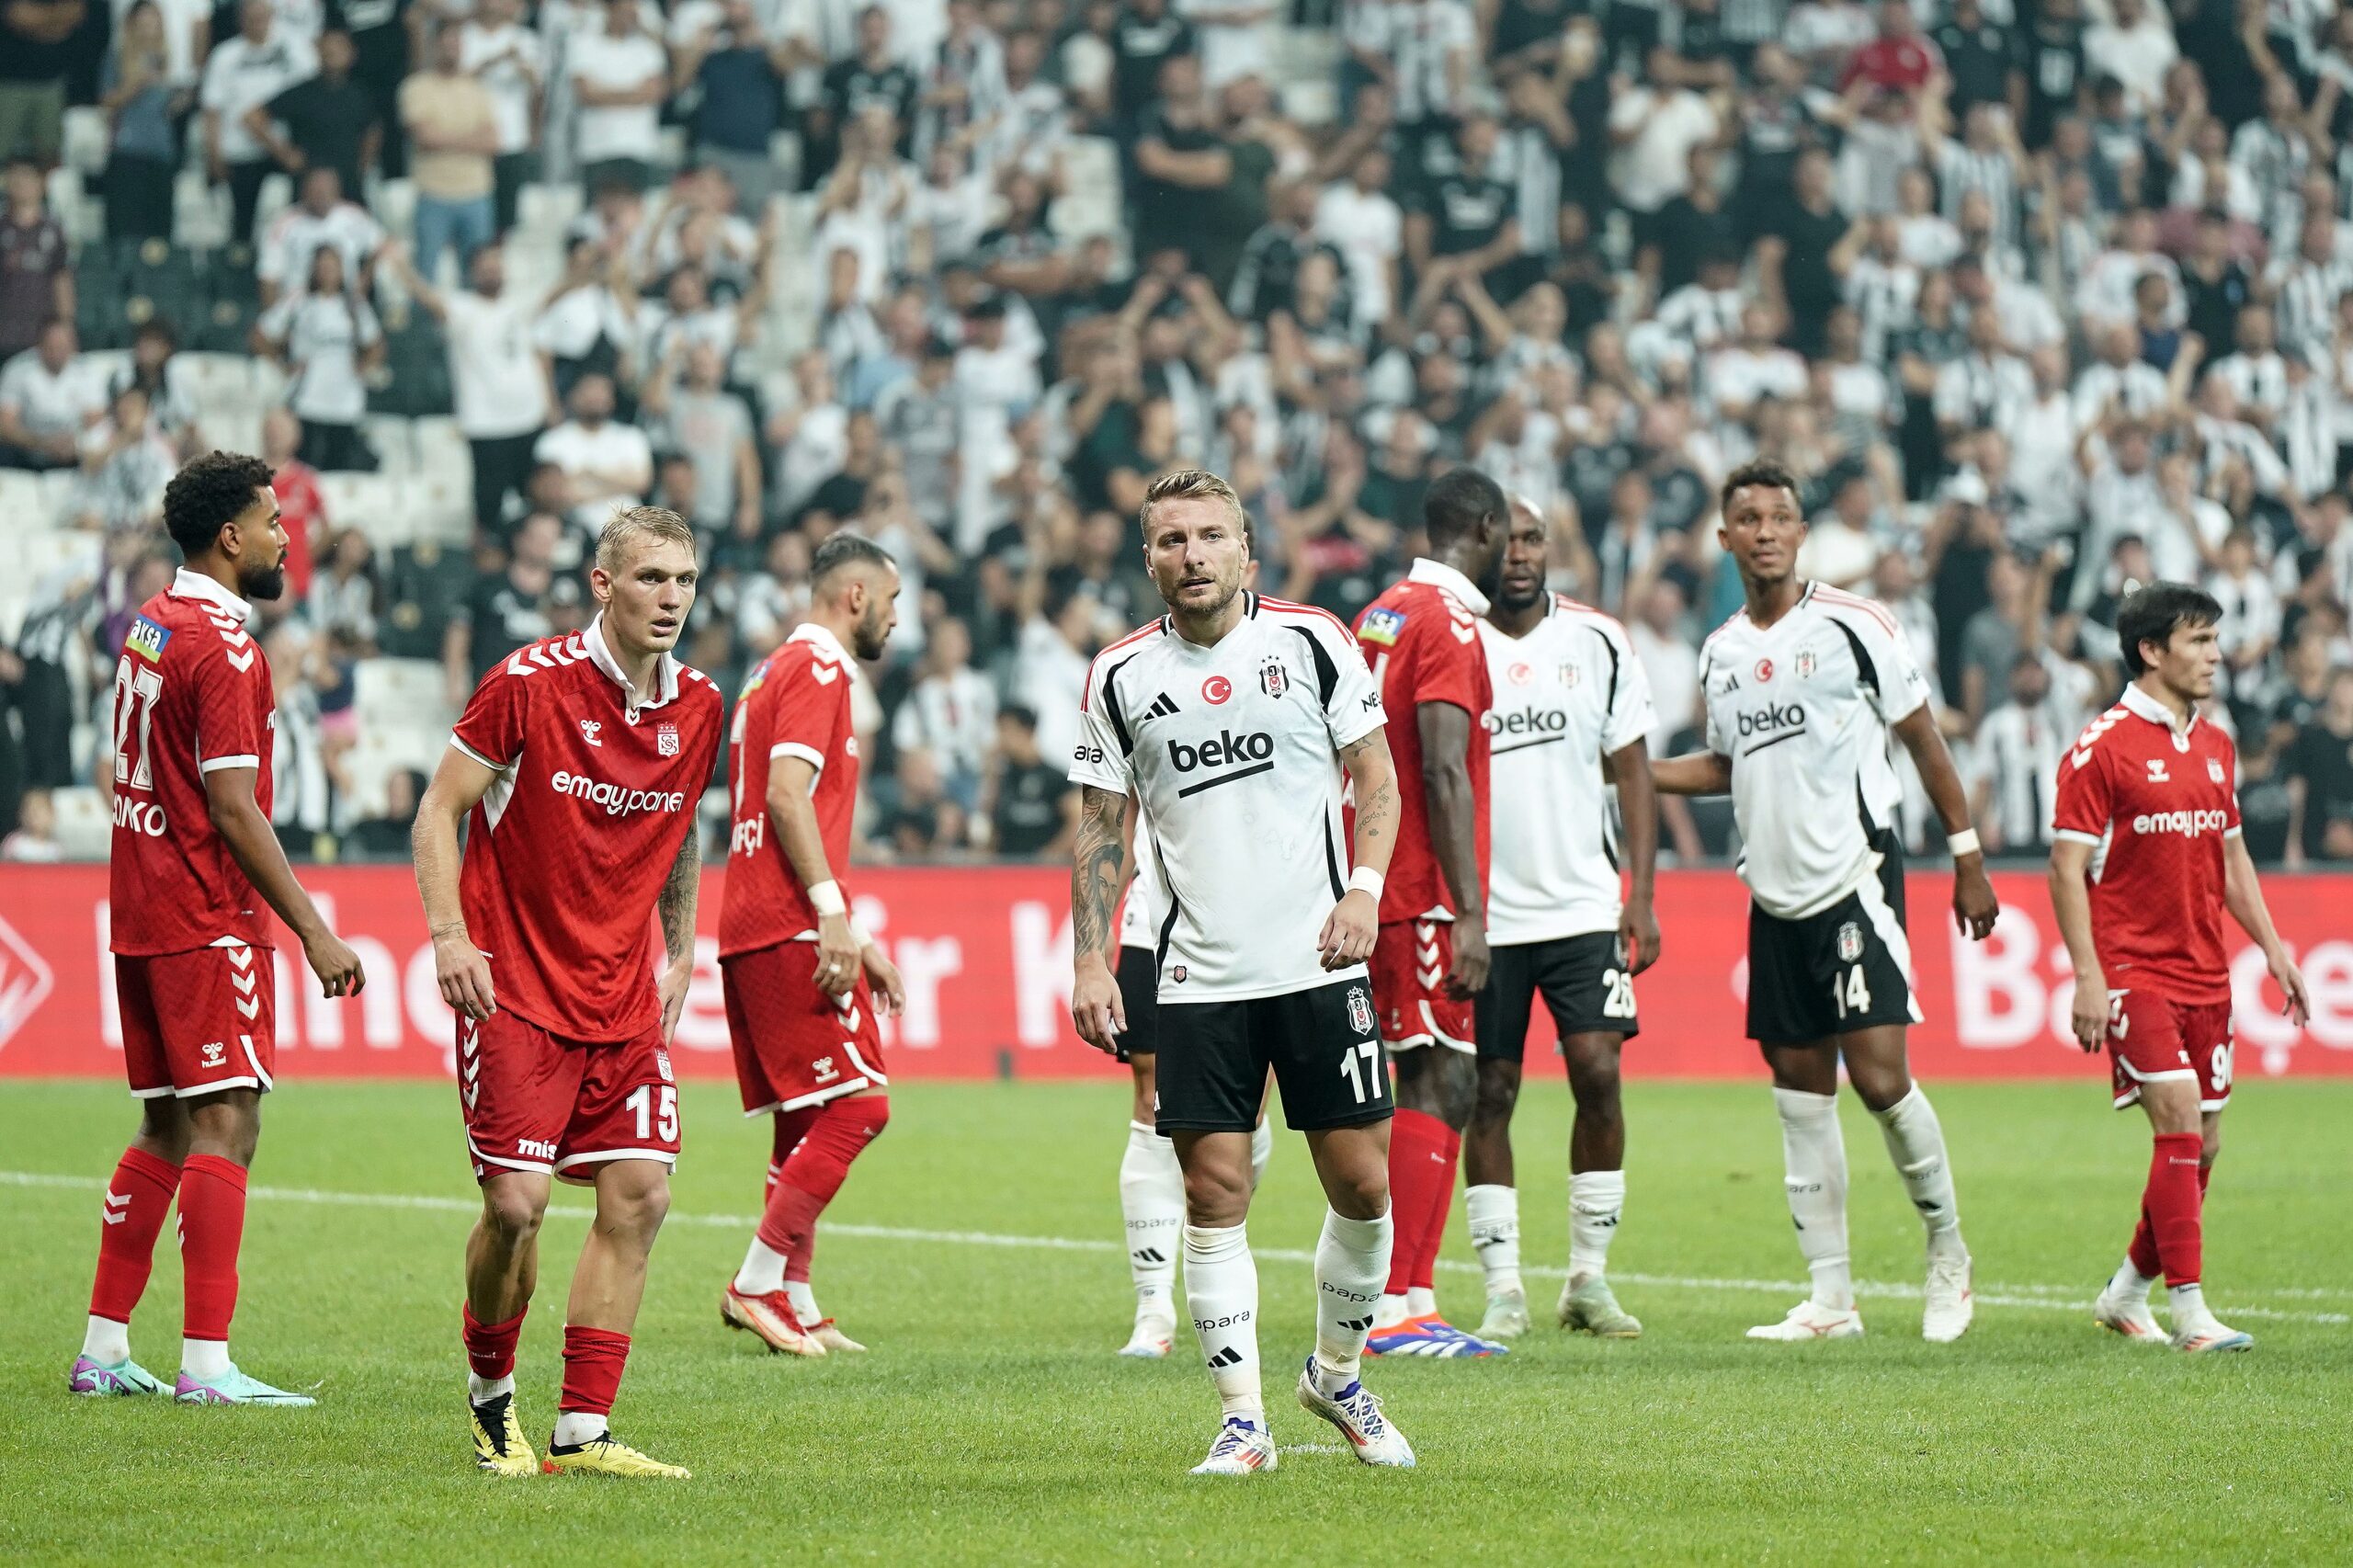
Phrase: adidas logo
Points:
(1150, 1255)
(1356, 1325)
(1228, 1357)
(1163, 707)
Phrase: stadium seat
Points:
(85, 829)
(442, 450)
(85, 137)
(52, 557)
(369, 502)
(200, 212)
(394, 437)
(395, 693)
(394, 205)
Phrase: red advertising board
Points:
(986, 955)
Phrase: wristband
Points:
(826, 899)
(1962, 843)
(1365, 879)
(862, 936)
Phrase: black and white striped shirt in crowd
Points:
(2276, 162)
(2259, 382)
(2307, 435)
(2018, 754)
(2306, 304)
(1753, 21)
(1961, 169)
(1884, 295)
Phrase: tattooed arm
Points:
(1098, 868)
(1348, 934)
(676, 906)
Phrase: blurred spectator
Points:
(452, 126)
(301, 510)
(33, 841)
(950, 712)
(48, 395)
(126, 462)
(2015, 776)
(241, 74)
(37, 40)
(510, 606)
(343, 598)
(326, 336)
(1032, 808)
(620, 75)
(325, 121)
(687, 403)
(2320, 780)
(322, 220)
(604, 464)
(146, 98)
(36, 272)
(510, 60)
(739, 73)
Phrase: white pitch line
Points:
(2049, 1298)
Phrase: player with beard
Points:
(1805, 689)
(1421, 638)
(1572, 706)
(803, 980)
(1228, 722)
(193, 862)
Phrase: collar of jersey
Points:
(2139, 701)
(825, 643)
(188, 584)
(665, 673)
(1439, 574)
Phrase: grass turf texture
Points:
(992, 1423)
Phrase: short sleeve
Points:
(807, 717)
(1351, 701)
(1633, 713)
(1890, 674)
(1713, 736)
(2087, 796)
(1100, 758)
(491, 730)
(229, 721)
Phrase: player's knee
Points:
(634, 1202)
(876, 1111)
(1498, 1092)
(512, 1213)
(1878, 1084)
(1458, 1088)
(1593, 1080)
(1216, 1196)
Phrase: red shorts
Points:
(794, 1045)
(1410, 960)
(537, 1102)
(199, 1021)
(2152, 1039)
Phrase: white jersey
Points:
(1232, 752)
(1802, 709)
(1567, 695)
(1147, 903)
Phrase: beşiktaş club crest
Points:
(666, 738)
(1177, 975)
(1273, 679)
(1569, 675)
(1360, 1010)
(1805, 664)
(1850, 942)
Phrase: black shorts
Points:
(1139, 977)
(1322, 1044)
(1845, 969)
(1585, 988)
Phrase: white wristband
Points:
(1962, 843)
(826, 899)
(1365, 879)
(862, 936)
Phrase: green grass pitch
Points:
(977, 1250)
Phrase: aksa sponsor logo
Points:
(1382, 626)
(146, 638)
(615, 800)
(2190, 824)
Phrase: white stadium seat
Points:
(85, 829)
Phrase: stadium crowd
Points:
(2040, 300)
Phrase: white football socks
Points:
(107, 1341)
(1351, 1261)
(1421, 1301)
(204, 1359)
(1494, 1235)
(1152, 1201)
(763, 1271)
(574, 1427)
(1596, 1200)
(2186, 1304)
(804, 1303)
(480, 1389)
(1221, 1288)
(1813, 1154)
(1262, 1148)
(1389, 1311)
(2130, 1282)
(1916, 1143)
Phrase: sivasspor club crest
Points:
(1272, 678)
(2214, 768)
(666, 738)
(1850, 942)
(1360, 1010)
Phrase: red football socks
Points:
(137, 1200)
(790, 1128)
(490, 1347)
(212, 1226)
(813, 1171)
(1421, 1174)
(2143, 1252)
(2170, 1206)
(1434, 1223)
(593, 1361)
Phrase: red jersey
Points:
(796, 704)
(2155, 804)
(567, 852)
(192, 696)
(1422, 640)
(301, 510)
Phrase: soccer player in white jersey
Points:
(1572, 706)
(1803, 689)
(1230, 720)
(1152, 1187)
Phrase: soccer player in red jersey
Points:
(2147, 857)
(802, 980)
(193, 862)
(1422, 640)
(575, 770)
